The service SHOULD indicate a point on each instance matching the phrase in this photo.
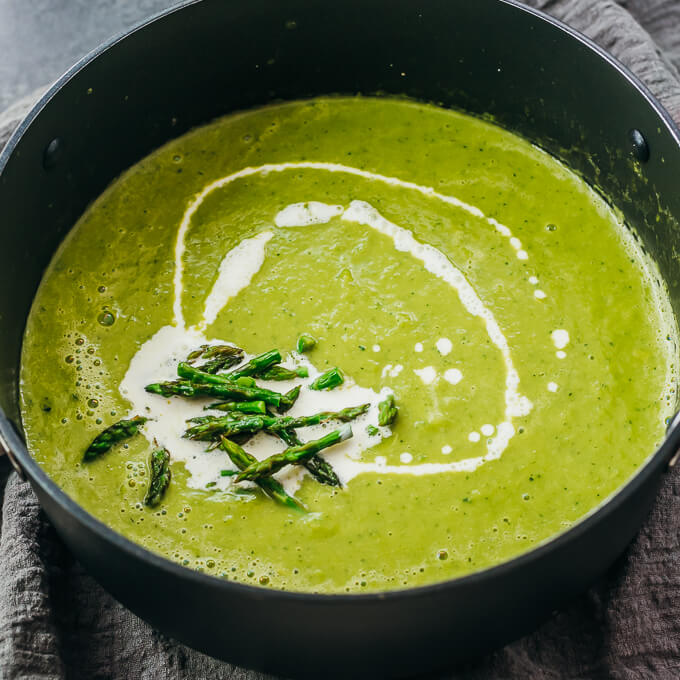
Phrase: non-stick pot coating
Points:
(205, 59)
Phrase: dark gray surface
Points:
(40, 39)
(56, 622)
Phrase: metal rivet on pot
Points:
(52, 153)
(640, 146)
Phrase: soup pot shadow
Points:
(207, 58)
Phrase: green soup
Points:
(434, 256)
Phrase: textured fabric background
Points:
(56, 622)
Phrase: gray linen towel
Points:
(56, 622)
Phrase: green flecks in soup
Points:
(431, 256)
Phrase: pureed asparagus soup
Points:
(482, 352)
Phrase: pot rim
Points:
(36, 475)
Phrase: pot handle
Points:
(10, 441)
(673, 439)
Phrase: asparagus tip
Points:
(305, 342)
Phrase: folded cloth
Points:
(57, 622)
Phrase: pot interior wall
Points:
(212, 57)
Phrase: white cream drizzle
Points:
(428, 374)
(392, 371)
(453, 375)
(560, 338)
(305, 214)
(444, 346)
(236, 272)
(438, 264)
(157, 358)
(310, 212)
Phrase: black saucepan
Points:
(205, 59)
